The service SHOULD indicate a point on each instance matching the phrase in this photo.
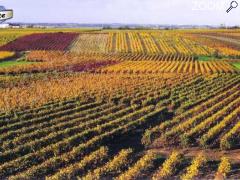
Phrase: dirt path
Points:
(212, 154)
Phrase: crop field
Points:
(90, 43)
(169, 67)
(154, 43)
(119, 104)
(47, 41)
(224, 43)
(6, 55)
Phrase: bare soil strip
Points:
(211, 154)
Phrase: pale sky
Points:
(181, 12)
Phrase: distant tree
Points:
(107, 27)
(234, 27)
(222, 26)
(124, 27)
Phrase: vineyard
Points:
(119, 104)
(225, 44)
(169, 67)
(154, 43)
(90, 43)
(46, 41)
(6, 54)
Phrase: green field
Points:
(237, 65)
(13, 63)
(205, 58)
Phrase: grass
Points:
(13, 63)
(204, 58)
(237, 65)
(209, 58)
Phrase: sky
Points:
(180, 12)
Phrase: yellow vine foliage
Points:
(6, 54)
(193, 169)
(99, 86)
(223, 169)
(168, 167)
(90, 42)
(143, 164)
(154, 42)
(149, 67)
(114, 165)
(90, 160)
